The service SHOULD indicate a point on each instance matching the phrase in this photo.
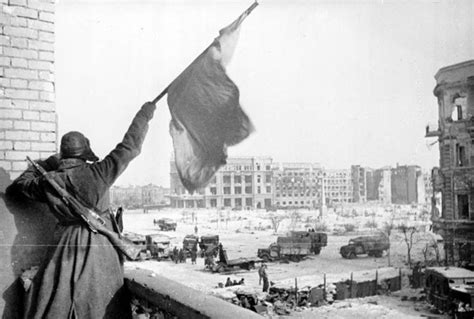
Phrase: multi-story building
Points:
(337, 186)
(298, 185)
(359, 184)
(453, 182)
(126, 196)
(244, 182)
(155, 195)
(405, 184)
(379, 186)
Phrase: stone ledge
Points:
(179, 300)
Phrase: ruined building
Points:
(453, 181)
(337, 186)
(298, 185)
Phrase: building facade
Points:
(337, 186)
(244, 182)
(405, 181)
(298, 185)
(453, 181)
(359, 184)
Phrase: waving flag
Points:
(205, 110)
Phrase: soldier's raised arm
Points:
(118, 159)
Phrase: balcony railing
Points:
(176, 300)
(432, 130)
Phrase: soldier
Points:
(175, 255)
(83, 275)
(193, 255)
(265, 278)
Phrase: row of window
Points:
(295, 194)
(293, 203)
(228, 202)
(238, 190)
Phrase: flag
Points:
(206, 116)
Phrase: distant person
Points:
(260, 273)
(196, 229)
(175, 254)
(193, 255)
(228, 283)
(265, 278)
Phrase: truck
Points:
(450, 290)
(318, 239)
(225, 264)
(372, 245)
(157, 244)
(209, 244)
(293, 248)
(166, 224)
(190, 242)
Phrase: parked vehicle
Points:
(190, 242)
(209, 244)
(293, 248)
(318, 240)
(451, 290)
(225, 264)
(158, 245)
(370, 245)
(166, 224)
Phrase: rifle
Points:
(90, 218)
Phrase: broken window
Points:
(463, 206)
(226, 190)
(237, 179)
(227, 179)
(238, 190)
(227, 202)
(238, 202)
(213, 191)
(461, 158)
(459, 108)
(248, 202)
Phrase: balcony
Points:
(173, 299)
(432, 131)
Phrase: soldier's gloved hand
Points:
(149, 108)
(51, 163)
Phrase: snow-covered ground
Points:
(243, 232)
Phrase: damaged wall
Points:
(28, 126)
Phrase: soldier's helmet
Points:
(76, 145)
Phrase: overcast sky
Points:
(335, 82)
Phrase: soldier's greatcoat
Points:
(82, 276)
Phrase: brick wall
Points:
(28, 124)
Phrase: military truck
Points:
(190, 242)
(209, 244)
(318, 240)
(158, 245)
(166, 224)
(450, 289)
(227, 265)
(371, 245)
(293, 248)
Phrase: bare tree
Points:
(276, 220)
(387, 229)
(295, 218)
(408, 237)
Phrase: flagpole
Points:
(163, 93)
